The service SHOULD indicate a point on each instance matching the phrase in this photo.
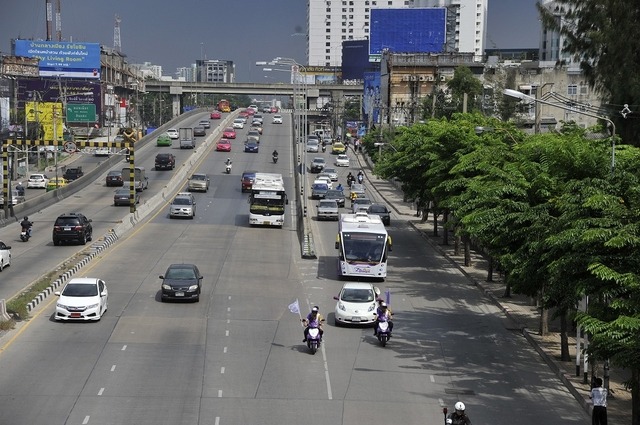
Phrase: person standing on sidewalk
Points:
(599, 397)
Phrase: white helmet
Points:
(459, 406)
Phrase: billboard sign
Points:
(63, 92)
(61, 58)
(411, 30)
(371, 98)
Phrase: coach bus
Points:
(363, 246)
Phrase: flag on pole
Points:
(294, 307)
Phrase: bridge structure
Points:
(317, 95)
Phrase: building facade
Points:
(331, 22)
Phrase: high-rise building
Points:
(330, 22)
(551, 41)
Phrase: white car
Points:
(238, 123)
(356, 304)
(37, 181)
(326, 178)
(277, 119)
(102, 152)
(342, 160)
(5, 255)
(331, 172)
(82, 299)
(173, 134)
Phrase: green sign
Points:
(81, 112)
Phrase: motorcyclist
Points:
(360, 176)
(350, 179)
(313, 320)
(20, 189)
(228, 161)
(458, 417)
(339, 187)
(383, 314)
(275, 153)
(25, 224)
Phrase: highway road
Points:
(236, 357)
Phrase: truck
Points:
(187, 140)
(141, 181)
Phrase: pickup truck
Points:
(73, 173)
(187, 140)
(141, 181)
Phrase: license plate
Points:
(268, 223)
(66, 229)
(74, 315)
(356, 319)
(179, 294)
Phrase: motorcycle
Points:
(360, 178)
(25, 234)
(227, 169)
(324, 148)
(275, 159)
(382, 332)
(313, 340)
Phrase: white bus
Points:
(267, 200)
(364, 245)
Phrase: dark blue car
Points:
(251, 147)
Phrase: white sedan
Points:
(173, 134)
(277, 119)
(356, 304)
(238, 123)
(342, 160)
(5, 255)
(37, 181)
(82, 299)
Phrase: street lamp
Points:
(521, 96)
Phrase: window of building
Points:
(327, 51)
(327, 44)
(327, 37)
(344, 30)
(350, 30)
(344, 37)
(572, 89)
(328, 30)
(584, 89)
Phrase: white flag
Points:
(294, 307)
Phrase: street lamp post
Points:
(521, 96)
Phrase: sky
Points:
(176, 35)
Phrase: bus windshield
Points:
(364, 247)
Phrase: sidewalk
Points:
(518, 308)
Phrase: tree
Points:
(601, 35)
(464, 82)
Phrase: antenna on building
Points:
(117, 45)
(58, 21)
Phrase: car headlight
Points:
(342, 307)
(61, 306)
(193, 288)
(371, 308)
(167, 287)
(92, 306)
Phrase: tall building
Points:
(330, 22)
(551, 41)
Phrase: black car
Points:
(114, 178)
(181, 282)
(122, 197)
(165, 161)
(72, 227)
(338, 195)
(382, 211)
(199, 131)
(73, 173)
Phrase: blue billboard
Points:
(371, 98)
(411, 30)
(61, 58)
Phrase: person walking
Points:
(599, 398)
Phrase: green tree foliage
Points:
(464, 82)
(602, 36)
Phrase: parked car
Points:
(327, 209)
(72, 227)
(84, 298)
(38, 181)
(199, 131)
(165, 161)
(198, 182)
(5, 255)
(183, 205)
(356, 304)
(382, 211)
(114, 178)
(181, 282)
(121, 197)
(163, 140)
(173, 134)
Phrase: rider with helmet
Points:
(228, 161)
(383, 314)
(458, 417)
(25, 224)
(313, 320)
(275, 153)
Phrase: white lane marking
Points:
(219, 393)
(226, 333)
(113, 368)
(441, 402)
(228, 309)
(101, 391)
(86, 420)
(326, 373)
(217, 422)
(224, 350)
(124, 347)
(432, 378)
(222, 370)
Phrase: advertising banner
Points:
(69, 93)
(411, 30)
(62, 59)
(371, 98)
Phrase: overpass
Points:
(318, 95)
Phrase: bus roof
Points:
(268, 181)
(361, 222)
